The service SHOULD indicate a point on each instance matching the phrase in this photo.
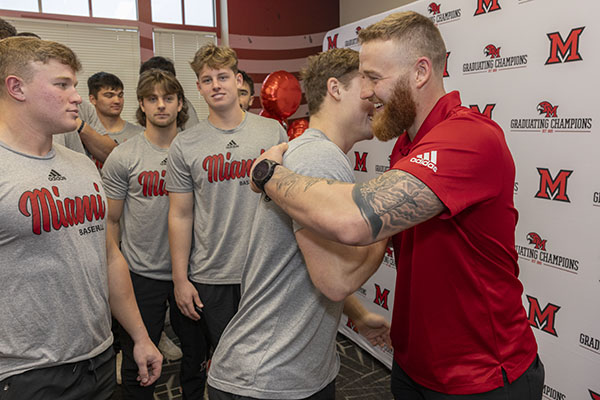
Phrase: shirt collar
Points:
(438, 113)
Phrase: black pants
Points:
(220, 305)
(92, 379)
(327, 393)
(152, 296)
(526, 387)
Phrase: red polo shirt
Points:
(458, 315)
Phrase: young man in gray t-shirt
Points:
(211, 205)
(133, 177)
(106, 97)
(281, 343)
(57, 265)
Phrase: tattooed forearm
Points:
(394, 202)
(290, 183)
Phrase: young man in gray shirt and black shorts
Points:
(133, 178)
(211, 204)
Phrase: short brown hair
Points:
(18, 52)
(148, 82)
(214, 57)
(341, 64)
(413, 30)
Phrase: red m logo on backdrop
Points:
(487, 111)
(542, 319)
(332, 42)
(562, 51)
(553, 189)
(361, 161)
(486, 6)
(547, 108)
(595, 396)
(381, 297)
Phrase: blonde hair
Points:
(417, 33)
(214, 57)
(18, 52)
(341, 64)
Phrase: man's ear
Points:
(15, 87)
(423, 71)
(93, 99)
(239, 80)
(141, 102)
(334, 88)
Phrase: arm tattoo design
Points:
(290, 182)
(394, 202)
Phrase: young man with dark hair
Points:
(246, 93)
(167, 65)
(106, 95)
(447, 201)
(61, 273)
(133, 177)
(211, 208)
(281, 342)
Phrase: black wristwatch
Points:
(263, 172)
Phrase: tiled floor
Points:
(361, 376)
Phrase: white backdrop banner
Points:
(531, 66)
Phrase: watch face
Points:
(261, 170)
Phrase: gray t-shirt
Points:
(281, 342)
(54, 286)
(215, 165)
(134, 172)
(88, 114)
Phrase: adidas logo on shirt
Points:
(163, 162)
(232, 145)
(55, 176)
(428, 160)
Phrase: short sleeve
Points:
(319, 159)
(179, 177)
(115, 175)
(463, 162)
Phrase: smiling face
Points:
(219, 87)
(386, 83)
(51, 96)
